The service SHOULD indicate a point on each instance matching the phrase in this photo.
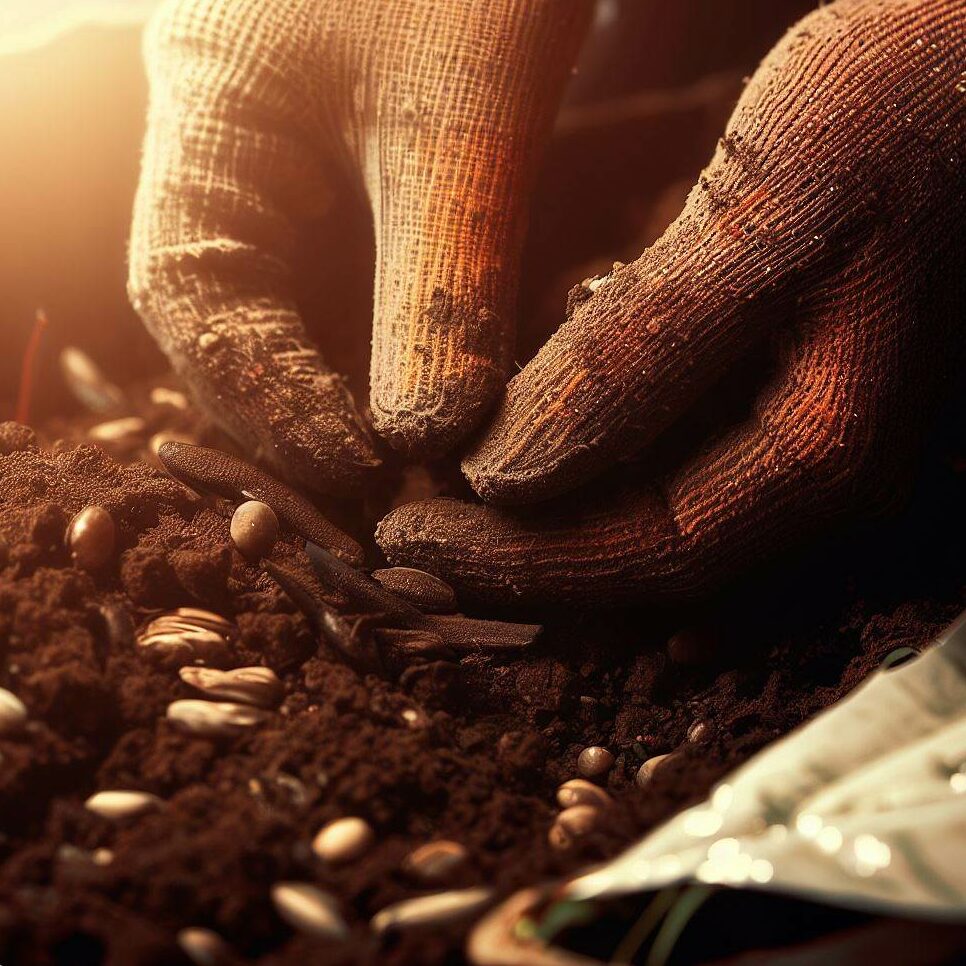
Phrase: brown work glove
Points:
(260, 111)
(830, 219)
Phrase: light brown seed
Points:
(594, 762)
(650, 768)
(343, 840)
(254, 529)
(309, 910)
(214, 719)
(13, 713)
(421, 589)
(436, 861)
(162, 396)
(91, 536)
(203, 946)
(118, 432)
(121, 804)
(190, 633)
(88, 384)
(580, 792)
(579, 819)
(258, 686)
(159, 439)
(438, 909)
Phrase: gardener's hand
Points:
(831, 218)
(260, 111)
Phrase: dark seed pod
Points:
(90, 538)
(425, 591)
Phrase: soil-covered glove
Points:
(832, 219)
(260, 111)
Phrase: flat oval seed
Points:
(204, 947)
(309, 910)
(343, 840)
(647, 771)
(204, 618)
(579, 819)
(211, 719)
(435, 860)
(258, 686)
(254, 529)
(122, 804)
(90, 537)
(594, 762)
(13, 713)
(118, 431)
(580, 792)
(439, 909)
(425, 591)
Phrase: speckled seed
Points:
(309, 910)
(698, 732)
(13, 713)
(650, 767)
(258, 686)
(254, 529)
(435, 861)
(214, 719)
(594, 762)
(204, 947)
(159, 439)
(421, 589)
(439, 909)
(90, 537)
(580, 792)
(343, 840)
(122, 804)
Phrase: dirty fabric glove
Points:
(260, 111)
(832, 220)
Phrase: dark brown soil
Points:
(491, 740)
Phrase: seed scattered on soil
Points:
(162, 396)
(258, 686)
(211, 719)
(594, 762)
(88, 384)
(254, 529)
(309, 910)
(421, 589)
(438, 909)
(580, 792)
(13, 713)
(650, 767)
(343, 840)
(436, 861)
(117, 805)
(204, 947)
(191, 634)
(90, 538)
(579, 819)
(698, 732)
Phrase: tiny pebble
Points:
(203, 946)
(647, 771)
(258, 686)
(90, 537)
(580, 792)
(254, 529)
(309, 910)
(438, 909)
(122, 804)
(435, 861)
(13, 712)
(343, 840)
(214, 719)
(594, 762)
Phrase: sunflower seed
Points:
(580, 792)
(203, 946)
(13, 712)
(191, 634)
(594, 762)
(421, 589)
(90, 537)
(438, 909)
(122, 804)
(214, 719)
(435, 860)
(258, 686)
(343, 840)
(308, 909)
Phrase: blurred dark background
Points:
(656, 83)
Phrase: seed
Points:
(425, 591)
(214, 719)
(650, 767)
(162, 396)
(159, 439)
(190, 633)
(102, 857)
(254, 529)
(580, 792)
(435, 860)
(118, 432)
(86, 381)
(258, 686)
(90, 537)
(699, 731)
(559, 838)
(343, 840)
(204, 947)
(122, 804)
(13, 713)
(579, 819)
(594, 762)
(692, 645)
(309, 910)
(438, 909)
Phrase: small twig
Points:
(22, 412)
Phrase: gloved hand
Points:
(831, 219)
(260, 111)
